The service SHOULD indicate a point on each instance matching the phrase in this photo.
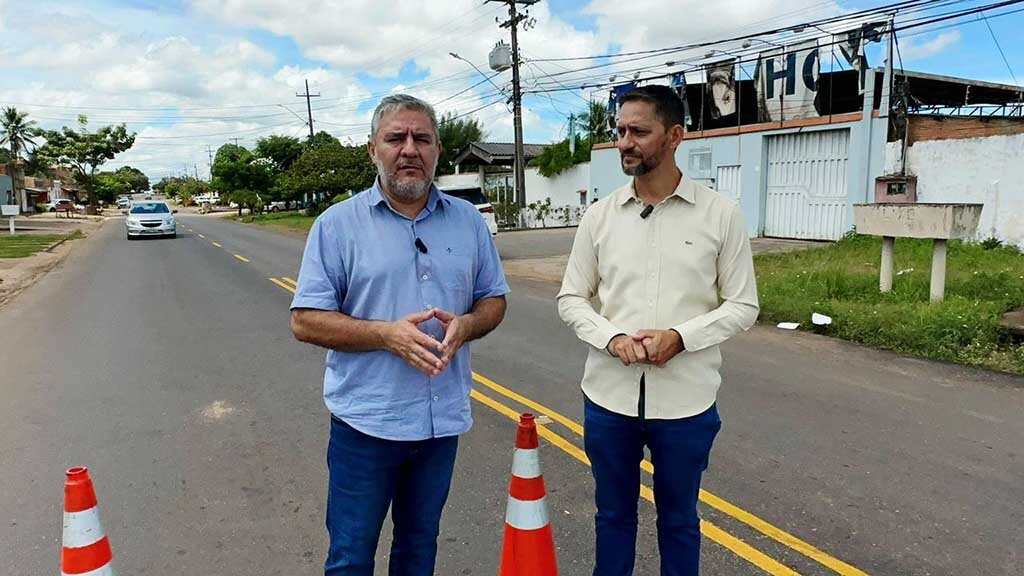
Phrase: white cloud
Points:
(919, 50)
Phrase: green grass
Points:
(841, 281)
(293, 220)
(23, 245)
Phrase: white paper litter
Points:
(820, 319)
(789, 325)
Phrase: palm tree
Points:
(17, 133)
(594, 121)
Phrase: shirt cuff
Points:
(314, 303)
(693, 334)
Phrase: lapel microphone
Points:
(421, 246)
(646, 211)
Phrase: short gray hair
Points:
(397, 102)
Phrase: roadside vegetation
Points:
(24, 245)
(983, 281)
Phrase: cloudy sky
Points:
(190, 75)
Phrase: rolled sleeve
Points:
(490, 276)
(322, 281)
(578, 286)
(737, 289)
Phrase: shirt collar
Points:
(376, 197)
(684, 190)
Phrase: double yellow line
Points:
(708, 529)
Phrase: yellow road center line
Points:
(217, 245)
(723, 506)
(283, 285)
(732, 543)
(242, 258)
(290, 281)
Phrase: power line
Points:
(982, 16)
(753, 57)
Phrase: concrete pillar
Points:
(885, 278)
(938, 284)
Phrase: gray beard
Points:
(408, 190)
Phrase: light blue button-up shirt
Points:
(361, 259)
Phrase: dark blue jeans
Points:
(368, 474)
(679, 451)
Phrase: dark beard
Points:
(640, 169)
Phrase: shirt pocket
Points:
(457, 271)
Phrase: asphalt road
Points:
(167, 367)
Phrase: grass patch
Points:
(23, 245)
(293, 220)
(841, 281)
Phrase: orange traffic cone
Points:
(529, 547)
(86, 548)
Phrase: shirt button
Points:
(425, 276)
(436, 398)
(429, 307)
(650, 304)
(652, 275)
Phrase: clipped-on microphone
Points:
(647, 211)
(421, 246)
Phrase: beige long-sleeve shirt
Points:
(686, 267)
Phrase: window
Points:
(700, 163)
(583, 197)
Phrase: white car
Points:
(150, 219)
(475, 196)
(123, 203)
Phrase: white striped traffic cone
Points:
(529, 546)
(86, 548)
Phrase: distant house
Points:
(489, 165)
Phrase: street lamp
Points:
(488, 78)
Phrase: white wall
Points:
(470, 179)
(564, 191)
(987, 171)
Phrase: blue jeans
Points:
(679, 451)
(368, 474)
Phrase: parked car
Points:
(150, 219)
(62, 203)
(123, 203)
(275, 206)
(475, 196)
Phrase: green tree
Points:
(321, 138)
(17, 134)
(136, 180)
(283, 150)
(110, 185)
(455, 134)
(240, 176)
(329, 169)
(86, 151)
(594, 122)
(555, 158)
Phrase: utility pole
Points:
(572, 134)
(309, 107)
(209, 154)
(235, 139)
(514, 19)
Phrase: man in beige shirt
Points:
(670, 263)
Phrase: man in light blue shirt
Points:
(394, 282)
